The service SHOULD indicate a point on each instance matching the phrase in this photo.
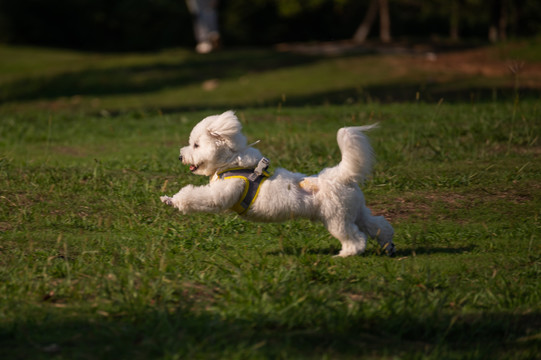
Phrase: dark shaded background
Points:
(128, 25)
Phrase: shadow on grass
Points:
(422, 250)
(298, 251)
(161, 333)
(401, 252)
(408, 92)
(399, 92)
(233, 65)
(148, 78)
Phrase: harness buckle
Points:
(261, 167)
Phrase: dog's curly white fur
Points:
(332, 197)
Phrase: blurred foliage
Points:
(118, 25)
(96, 24)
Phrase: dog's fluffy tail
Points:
(357, 155)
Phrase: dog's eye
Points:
(195, 145)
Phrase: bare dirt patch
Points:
(70, 151)
(426, 205)
(482, 62)
(5, 226)
(488, 62)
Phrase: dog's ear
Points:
(227, 128)
(224, 125)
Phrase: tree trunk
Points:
(454, 21)
(384, 21)
(498, 21)
(362, 31)
(502, 22)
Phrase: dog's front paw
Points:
(389, 249)
(167, 200)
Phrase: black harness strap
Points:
(253, 178)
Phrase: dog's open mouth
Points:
(194, 167)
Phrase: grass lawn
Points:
(93, 265)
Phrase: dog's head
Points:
(214, 144)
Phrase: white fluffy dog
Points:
(218, 149)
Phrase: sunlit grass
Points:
(93, 265)
(176, 80)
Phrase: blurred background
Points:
(135, 25)
(111, 56)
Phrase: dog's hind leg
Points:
(353, 240)
(378, 228)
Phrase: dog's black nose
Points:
(180, 157)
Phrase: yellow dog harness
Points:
(253, 178)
